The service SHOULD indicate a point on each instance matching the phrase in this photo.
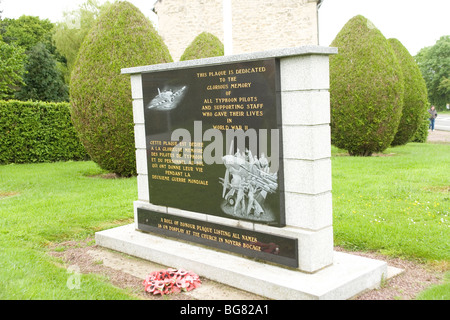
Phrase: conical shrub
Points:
(366, 89)
(205, 45)
(415, 99)
(100, 96)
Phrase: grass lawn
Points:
(396, 204)
(45, 203)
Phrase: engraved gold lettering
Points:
(241, 85)
(233, 242)
(251, 246)
(248, 238)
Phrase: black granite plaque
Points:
(268, 247)
(194, 163)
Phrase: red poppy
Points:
(175, 289)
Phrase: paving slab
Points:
(347, 277)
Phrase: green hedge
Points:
(37, 132)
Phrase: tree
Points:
(27, 31)
(205, 45)
(43, 81)
(444, 87)
(12, 66)
(366, 89)
(415, 101)
(69, 34)
(434, 63)
(100, 96)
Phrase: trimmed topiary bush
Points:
(101, 97)
(415, 98)
(366, 89)
(421, 134)
(205, 45)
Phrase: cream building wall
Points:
(258, 25)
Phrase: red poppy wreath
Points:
(171, 281)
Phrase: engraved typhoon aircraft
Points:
(167, 99)
(247, 183)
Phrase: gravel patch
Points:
(438, 136)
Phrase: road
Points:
(442, 122)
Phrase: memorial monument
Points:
(234, 175)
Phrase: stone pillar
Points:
(307, 156)
(305, 103)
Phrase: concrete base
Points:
(348, 276)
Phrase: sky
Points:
(415, 23)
